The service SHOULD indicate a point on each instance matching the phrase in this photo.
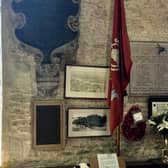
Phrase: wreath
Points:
(132, 130)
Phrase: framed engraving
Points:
(86, 82)
(48, 125)
(157, 105)
(88, 122)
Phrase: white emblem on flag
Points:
(115, 55)
(114, 94)
(116, 43)
(115, 58)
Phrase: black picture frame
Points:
(86, 82)
(157, 105)
(88, 122)
(48, 125)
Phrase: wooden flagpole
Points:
(118, 140)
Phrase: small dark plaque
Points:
(48, 122)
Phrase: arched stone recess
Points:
(50, 31)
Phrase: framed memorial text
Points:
(149, 75)
(157, 105)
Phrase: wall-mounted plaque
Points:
(48, 125)
(157, 105)
(149, 71)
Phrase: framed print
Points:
(48, 125)
(88, 122)
(86, 82)
(157, 105)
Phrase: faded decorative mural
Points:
(52, 28)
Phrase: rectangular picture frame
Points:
(48, 125)
(86, 81)
(84, 122)
(157, 105)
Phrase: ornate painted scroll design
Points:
(50, 31)
(76, 1)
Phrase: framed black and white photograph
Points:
(48, 125)
(88, 122)
(86, 82)
(157, 106)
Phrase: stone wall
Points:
(146, 20)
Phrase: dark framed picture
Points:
(88, 122)
(157, 105)
(86, 82)
(48, 125)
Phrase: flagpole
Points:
(120, 68)
(118, 140)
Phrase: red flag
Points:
(120, 65)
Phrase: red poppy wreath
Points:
(132, 130)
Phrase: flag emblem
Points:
(114, 94)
